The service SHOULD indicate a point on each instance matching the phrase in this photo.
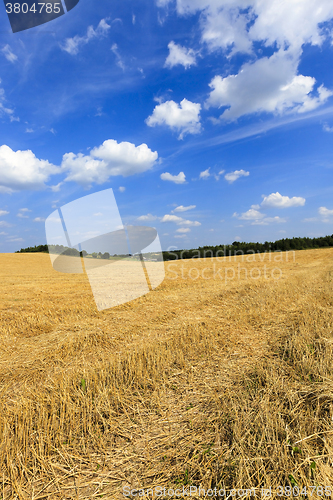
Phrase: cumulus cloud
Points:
(21, 170)
(39, 219)
(9, 55)
(251, 214)
(108, 160)
(179, 220)
(233, 176)
(177, 179)
(122, 189)
(235, 24)
(3, 212)
(270, 84)
(73, 45)
(183, 230)
(148, 217)
(276, 200)
(179, 55)
(183, 118)
(205, 174)
(325, 212)
(181, 208)
(257, 218)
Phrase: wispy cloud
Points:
(119, 60)
(181, 208)
(73, 45)
(9, 54)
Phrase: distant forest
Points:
(236, 248)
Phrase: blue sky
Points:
(212, 120)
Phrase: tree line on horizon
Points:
(236, 248)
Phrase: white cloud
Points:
(24, 210)
(310, 219)
(327, 128)
(183, 117)
(122, 189)
(3, 233)
(227, 30)
(14, 239)
(325, 211)
(268, 85)
(73, 45)
(22, 170)
(205, 174)
(148, 217)
(233, 176)
(9, 54)
(4, 224)
(183, 230)
(268, 220)
(181, 208)
(217, 176)
(22, 216)
(276, 200)
(56, 188)
(108, 160)
(225, 23)
(39, 219)
(177, 179)
(3, 212)
(251, 214)
(172, 218)
(120, 62)
(257, 218)
(5, 110)
(179, 220)
(180, 236)
(179, 55)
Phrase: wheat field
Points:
(220, 377)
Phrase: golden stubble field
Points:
(218, 378)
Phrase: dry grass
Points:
(200, 382)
